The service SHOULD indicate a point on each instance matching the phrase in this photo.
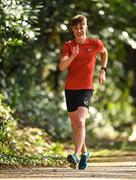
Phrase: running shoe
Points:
(73, 160)
(83, 161)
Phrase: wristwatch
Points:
(103, 68)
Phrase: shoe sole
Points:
(71, 161)
(83, 168)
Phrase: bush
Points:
(23, 140)
(5, 118)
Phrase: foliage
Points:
(58, 161)
(23, 140)
(32, 160)
(27, 141)
(5, 118)
(31, 141)
(112, 111)
(33, 33)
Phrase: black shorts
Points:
(76, 98)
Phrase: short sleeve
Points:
(65, 50)
(100, 46)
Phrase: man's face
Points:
(79, 30)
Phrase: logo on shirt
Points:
(88, 49)
(86, 102)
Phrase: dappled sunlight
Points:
(63, 27)
(132, 137)
(106, 132)
(125, 37)
(33, 115)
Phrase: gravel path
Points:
(125, 169)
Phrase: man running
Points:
(79, 58)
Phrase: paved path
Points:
(95, 171)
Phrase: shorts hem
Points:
(77, 108)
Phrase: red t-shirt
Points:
(81, 69)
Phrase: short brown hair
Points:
(78, 19)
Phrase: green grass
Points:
(111, 153)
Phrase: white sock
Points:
(85, 153)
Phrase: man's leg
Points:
(72, 116)
(73, 158)
(84, 149)
(80, 132)
(78, 118)
(80, 135)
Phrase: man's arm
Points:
(104, 60)
(65, 61)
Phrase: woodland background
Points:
(33, 114)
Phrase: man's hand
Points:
(102, 76)
(75, 50)
(65, 61)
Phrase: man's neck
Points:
(81, 41)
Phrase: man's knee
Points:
(82, 112)
(81, 117)
(81, 123)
